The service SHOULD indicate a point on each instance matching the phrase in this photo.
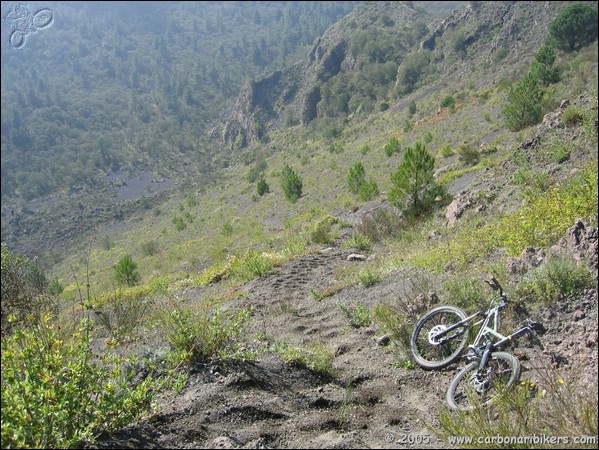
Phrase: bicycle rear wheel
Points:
(432, 352)
(470, 389)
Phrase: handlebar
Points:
(497, 287)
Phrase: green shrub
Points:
(468, 155)
(323, 234)
(192, 200)
(204, 334)
(327, 292)
(121, 315)
(356, 177)
(150, 248)
(292, 184)
(465, 293)
(57, 394)
(262, 187)
(316, 358)
(180, 224)
(227, 229)
(573, 116)
(251, 264)
(448, 102)
(399, 313)
(369, 277)
(412, 108)
(23, 290)
(336, 149)
(447, 151)
(524, 104)
(428, 137)
(382, 223)
(393, 146)
(106, 243)
(359, 241)
(535, 180)
(358, 316)
(56, 287)
(555, 280)
(547, 405)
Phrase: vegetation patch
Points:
(205, 334)
(316, 357)
(555, 280)
(539, 223)
(547, 406)
(57, 394)
(358, 316)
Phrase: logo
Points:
(22, 21)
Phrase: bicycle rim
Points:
(435, 353)
(469, 391)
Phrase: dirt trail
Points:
(368, 403)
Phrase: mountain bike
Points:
(441, 335)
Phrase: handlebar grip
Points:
(494, 284)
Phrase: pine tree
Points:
(262, 186)
(414, 189)
(544, 69)
(575, 27)
(524, 104)
(369, 190)
(126, 271)
(292, 184)
(356, 177)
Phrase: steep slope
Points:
(466, 40)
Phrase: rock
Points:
(456, 208)
(580, 243)
(531, 258)
(223, 442)
(383, 340)
(356, 257)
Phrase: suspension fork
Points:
(485, 358)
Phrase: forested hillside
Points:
(126, 85)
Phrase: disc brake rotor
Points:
(432, 334)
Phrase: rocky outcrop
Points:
(456, 208)
(579, 243)
(293, 95)
(452, 21)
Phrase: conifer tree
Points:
(356, 177)
(524, 104)
(292, 184)
(126, 271)
(414, 189)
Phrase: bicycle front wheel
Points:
(471, 388)
(431, 351)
